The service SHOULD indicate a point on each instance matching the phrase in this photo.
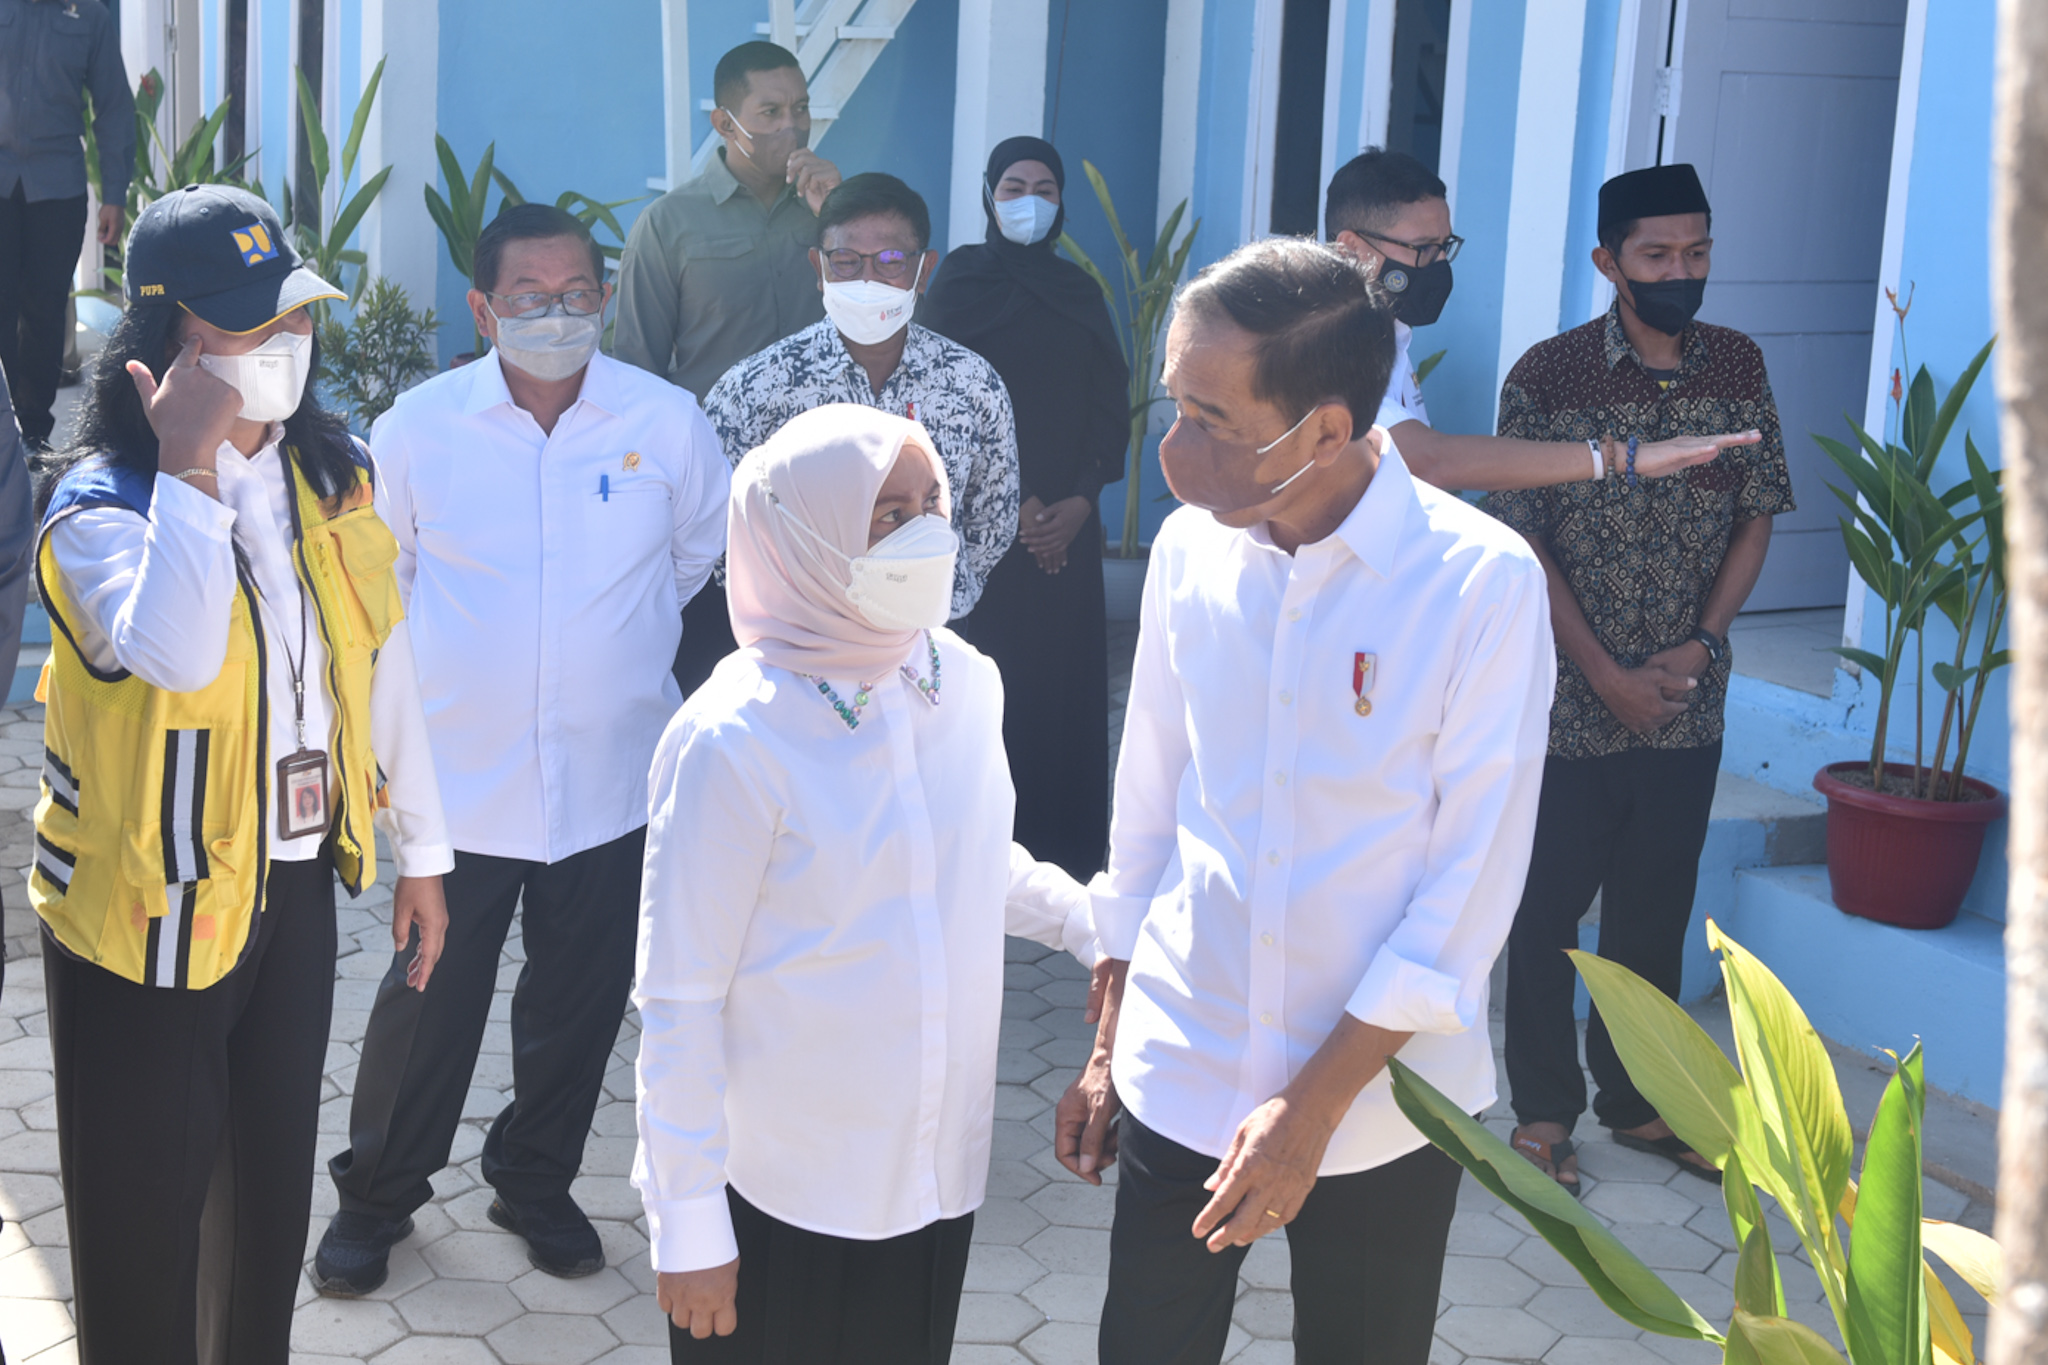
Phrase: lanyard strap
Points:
(298, 665)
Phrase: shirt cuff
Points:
(422, 860)
(173, 499)
(1078, 935)
(691, 1234)
(1406, 997)
(1117, 918)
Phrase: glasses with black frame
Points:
(577, 303)
(889, 265)
(1426, 253)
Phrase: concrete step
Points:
(1869, 986)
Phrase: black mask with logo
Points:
(1419, 292)
(1667, 306)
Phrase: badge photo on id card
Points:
(302, 794)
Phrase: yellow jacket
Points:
(152, 830)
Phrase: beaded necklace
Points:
(928, 688)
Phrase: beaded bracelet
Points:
(1631, 462)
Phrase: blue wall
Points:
(1589, 160)
(900, 120)
(1462, 391)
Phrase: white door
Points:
(1787, 108)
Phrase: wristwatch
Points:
(1715, 645)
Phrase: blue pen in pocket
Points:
(604, 487)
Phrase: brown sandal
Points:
(1553, 1155)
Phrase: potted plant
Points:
(1904, 838)
(1140, 311)
(380, 353)
(1776, 1126)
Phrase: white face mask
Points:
(271, 378)
(868, 312)
(1025, 221)
(551, 347)
(905, 580)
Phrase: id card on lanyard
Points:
(301, 776)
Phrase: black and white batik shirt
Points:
(951, 390)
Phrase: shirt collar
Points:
(1692, 355)
(487, 386)
(718, 178)
(1372, 531)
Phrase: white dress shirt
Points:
(1403, 402)
(821, 953)
(1276, 858)
(155, 594)
(545, 576)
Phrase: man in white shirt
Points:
(1390, 211)
(1324, 805)
(554, 510)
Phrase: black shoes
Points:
(559, 1238)
(355, 1253)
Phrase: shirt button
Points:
(1279, 779)
(1266, 1018)
(1287, 699)
(1294, 613)
(1273, 857)
(1266, 939)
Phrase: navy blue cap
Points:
(221, 253)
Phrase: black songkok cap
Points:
(1653, 192)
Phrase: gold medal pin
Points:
(1364, 667)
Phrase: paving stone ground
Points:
(462, 1293)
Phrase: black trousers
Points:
(707, 636)
(579, 917)
(1367, 1251)
(187, 1126)
(1629, 826)
(39, 246)
(806, 1298)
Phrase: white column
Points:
(1457, 64)
(999, 92)
(1379, 74)
(1540, 192)
(1180, 103)
(401, 240)
(675, 92)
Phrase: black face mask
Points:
(1667, 306)
(1420, 292)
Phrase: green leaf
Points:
(1116, 226)
(444, 219)
(1427, 364)
(510, 190)
(458, 183)
(1805, 1130)
(1670, 1058)
(1745, 1211)
(1757, 1286)
(316, 136)
(1611, 1270)
(1872, 664)
(1081, 258)
(1952, 405)
(360, 122)
(1973, 1256)
(1916, 423)
(1949, 678)
(352, 213)
(1164, 244)
(1990, 498)
(1887, 1300)
(1754, 1340)
(480, 189)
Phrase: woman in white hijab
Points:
(829, 877)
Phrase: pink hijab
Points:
(787, 592)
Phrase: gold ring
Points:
(1274, 1216)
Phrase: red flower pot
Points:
(1899, 859)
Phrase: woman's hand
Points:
(1047, 531)
(191, 412)
(701, 1302)
(419, 904)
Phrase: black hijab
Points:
(1034, 314)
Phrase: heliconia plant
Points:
(1776, 1126)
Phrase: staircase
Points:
(835, 41)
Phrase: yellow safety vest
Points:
(153, 828)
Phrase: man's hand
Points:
(1265, 1176)
(1651, 697)
(813, 176)
(1690, 659)
(1083, 1131)
(1658, 458)
(418, 903)
(701, 1302)
(113, 217)
(191, 412)
(1047, 531)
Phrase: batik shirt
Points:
(1642, 560)
(940, 383)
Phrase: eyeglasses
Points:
(1426, 253)
(578, 303)
(889, 265)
